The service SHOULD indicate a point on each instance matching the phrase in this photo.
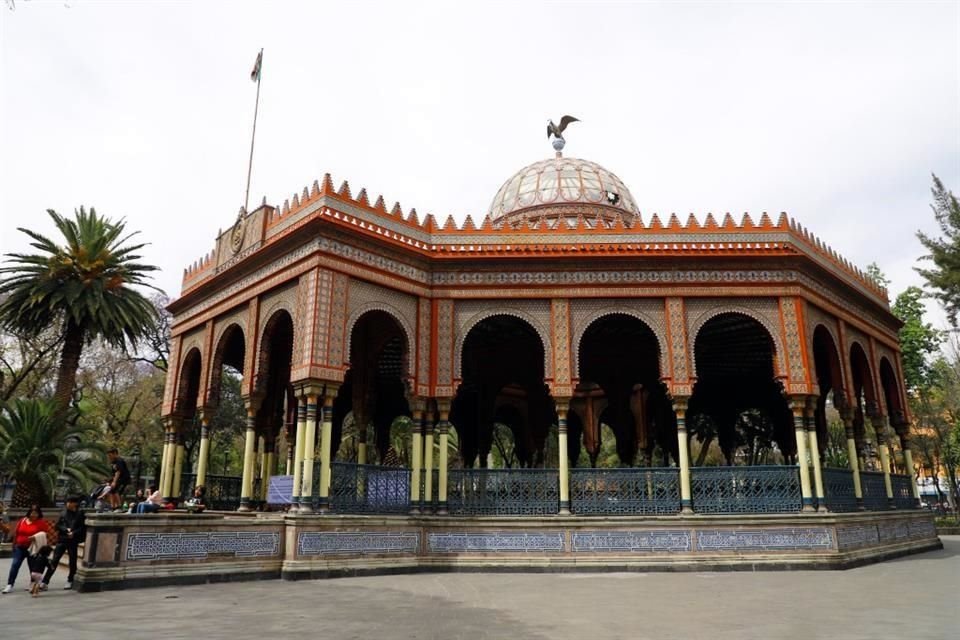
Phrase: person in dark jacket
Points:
(71, 530)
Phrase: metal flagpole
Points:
(246, 199)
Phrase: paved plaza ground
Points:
(914, 597)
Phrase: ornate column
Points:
(309, 450)
(908, 459)
(175, 488)
(428, 463)
(203, 457)
(299, 439)
(266, 469)
(879, 422)
(416, 433)
(326, 445)
(289, 466)
(686, 496)
(811, 426)
(443, 407)
(362, 444)
(166, 461)
(250, 441)
(798, 404)
(563, 405)
(846, 414)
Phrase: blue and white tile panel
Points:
(781, 539)
(861, 535)
(326, 543)
(922, 528)
(495, 541)
(186, 546)
(654, 540)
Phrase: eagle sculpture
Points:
(557, 131)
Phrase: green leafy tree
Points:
(85, 286)
(877, 275)
(37, 449)
(944, 276)
(918, 339)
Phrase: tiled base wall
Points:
(141, 552)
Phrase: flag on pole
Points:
(255, 74)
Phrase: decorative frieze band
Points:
(165, 546)
(324, 543)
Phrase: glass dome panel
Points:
(558, 181)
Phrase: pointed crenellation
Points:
(765, 221)
(674, 223)
(296, 202)
(468, 224)
(783, 222)
(315, 189)
(286, 207)
(450, 224)
(655, 224)
(728, 221)
(380, 205)
(710, 223)
(487, 224)
(344, 190)
(430, 223)
(362, 199)
(413, 219)
(692, 223)
(326, 187)
(396, 211)
(747, 222)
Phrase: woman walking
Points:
(23, 535)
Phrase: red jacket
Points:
(25, 529)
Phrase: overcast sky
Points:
(836, 113)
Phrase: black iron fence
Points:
(760, 489)
(903, 492)
(636, 490)
(839, 491)
(501, 492)
(623, 491)
(431, 504)
(223, 492)
(874, 491)
(367, 488)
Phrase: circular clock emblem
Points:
(236, 236)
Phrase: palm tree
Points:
(37, 448)
(86, 286)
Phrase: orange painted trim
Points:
(250, 358)
(802, 334)
(206, 365)
(434, 340)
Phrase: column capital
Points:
(562, 404)
(443, 409)
(681, 404)
(252, 402)
(330, 391)
(846, 414)
(798, 403)
(899, 422)
(418, 404)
